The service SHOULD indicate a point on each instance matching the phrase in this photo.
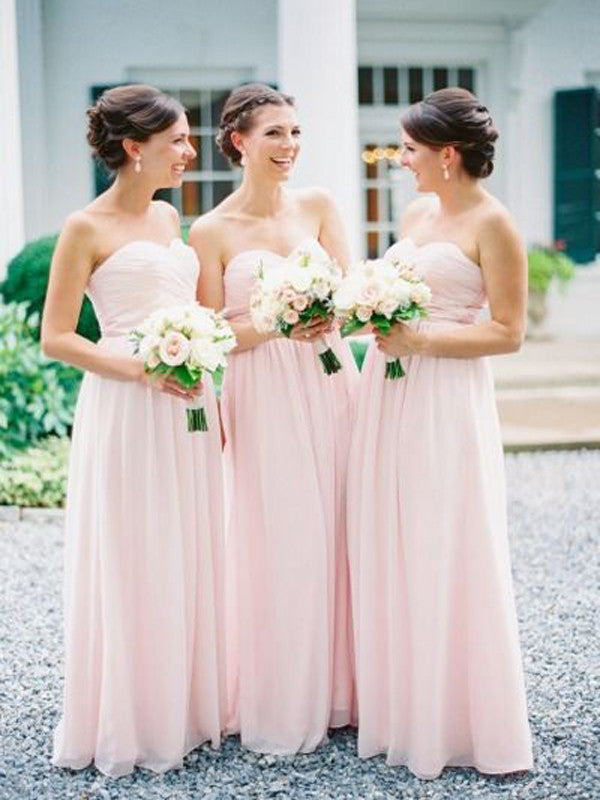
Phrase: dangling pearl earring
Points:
(243, 160)
(137, 167)
(445, 173)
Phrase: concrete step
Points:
(548, 417)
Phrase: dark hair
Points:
(128, 112)
(238, 113)
(455, 117)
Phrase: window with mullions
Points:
(208, 178)
(394, 85)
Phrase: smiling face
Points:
(272, 144)
(165, 155)
(425, 163)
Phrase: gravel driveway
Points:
(554, 502)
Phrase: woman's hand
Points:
(169, 385)
(313, 330)
(402, 340)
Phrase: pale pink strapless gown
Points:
(438, 662)
(144, 595)
(289, 638)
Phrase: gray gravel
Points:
(554, 502)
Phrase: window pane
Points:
(191, 100)
(195, 163)
(390, 86)
(372, 244)
(365, 86)
(372, 205)
(415, 84)
(440, 78)
(217, 101)
(191, 199)
(466, 78)
(219, 162)
(206, 146)
(221, 189)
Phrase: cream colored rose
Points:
(174, 349)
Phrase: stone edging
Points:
(16, 513)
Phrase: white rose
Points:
(300, 279)
(291, 317)
(363, 314)
(421, 294)
(174, 349)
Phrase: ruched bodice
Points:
(139, 278)
(456, 283)
(240, 274)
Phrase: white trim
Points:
(12, 230)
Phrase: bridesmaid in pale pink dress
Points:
(144, 603)
(439, 675)
(287, 427)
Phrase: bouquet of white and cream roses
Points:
(183, 342)
(382, 291)
(298, 291)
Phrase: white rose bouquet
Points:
(382, 292)
(183, 342)
(298, 291)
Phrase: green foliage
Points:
(37, 396)
(37, 476)
(359, 350)
(546, 264)
(27, 281)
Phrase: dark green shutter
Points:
(577, 172)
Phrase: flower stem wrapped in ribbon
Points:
(183, 342)
(381, 292)
(297, 292)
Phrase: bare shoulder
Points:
(167, 211)
(496, 223)
(416, 210)
(209, 225)
(81, 229)
(315, 198)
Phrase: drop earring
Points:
(243, 160)
(445, 173)
(137, 167)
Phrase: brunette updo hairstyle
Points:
(455, 117)
(238, 113)
(128, 112)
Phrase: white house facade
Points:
(352, 66)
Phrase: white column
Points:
(11, 181)
(318, 66)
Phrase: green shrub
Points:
(37, 476)
(37, 396)
(27, 281)
(546, 264)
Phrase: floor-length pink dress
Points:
(144, 588)
(287, 425)
(438, 664)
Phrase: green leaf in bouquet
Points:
(351, 326)
(187, 377)
(317, 309)
(382, 323)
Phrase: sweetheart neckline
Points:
(124, 246)
(452, 244)
(273, 252)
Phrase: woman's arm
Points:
(72, 264)
(331, 231)
(503, 261)
(204, 239)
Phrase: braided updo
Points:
(455, 117)
(128, 112)
(238, 113)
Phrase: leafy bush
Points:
(27, 281)
(37, 396)
(37, 476)
(546, 264)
